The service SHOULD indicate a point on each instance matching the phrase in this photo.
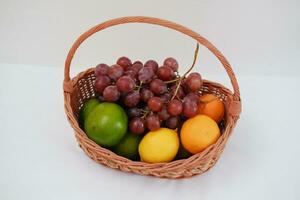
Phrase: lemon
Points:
(159, 146)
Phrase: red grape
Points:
(146, 94)
(190, 108)
(132, 74)
(137, 125)
(172, 63)
(111, 93)
(153, 122)
(163, 114)
(101, 69)
(125, 84)
(136, 67)
(155, 104)
(158, 87)
(101, 83)
(175, 107)
(101, 98)
(172, 122)
(153, 64)
(132, 99)
(165, 73)
(134, 112)
(115, 72)
(166, 97)
(137, 62)
(192, 96)
(124, 62)
(194, 82)
(183, 85)
(180, 92)
(145, 74)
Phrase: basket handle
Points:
(156, 21)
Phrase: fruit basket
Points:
(80, 89)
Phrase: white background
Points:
(39, 157)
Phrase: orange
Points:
(199, 132)
(211, 106)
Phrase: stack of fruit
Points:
(151, 113)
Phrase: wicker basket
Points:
(80, 89)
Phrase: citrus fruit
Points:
(159, 146)
(128, 147)
(199, 132)
(211, 106)
(106, 124)
(86, 109)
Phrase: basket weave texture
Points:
(80, 88)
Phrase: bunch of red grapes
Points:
(152, 96)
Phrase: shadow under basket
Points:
(80, 89)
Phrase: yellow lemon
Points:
(159, 146)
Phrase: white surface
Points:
(40, 159)
(264, 34)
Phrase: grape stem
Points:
(176, 90)
(139, 87)
(194, 61)
(172, 81)
(184, 75)
(143, 111)
(145, 114)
